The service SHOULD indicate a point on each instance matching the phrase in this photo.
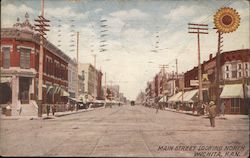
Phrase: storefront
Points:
(235, 99)
(5, 90)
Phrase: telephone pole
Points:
(162, 67)
(105, 91)
(176, 63)
(94, 55)
(198, 29)
(41, 24)
(77, 64)
(217, 76)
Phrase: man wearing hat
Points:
(212, 113)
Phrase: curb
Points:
(45, 117)
(184, 113)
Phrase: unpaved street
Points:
(124, 131)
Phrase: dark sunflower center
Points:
(227, 20)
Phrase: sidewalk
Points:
(44, 116)
(225, 117)
(183, 112)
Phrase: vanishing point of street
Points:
(123, 131)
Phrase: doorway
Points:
(24, 86)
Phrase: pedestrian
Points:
(212, 113)
(53, 109)
(192, 107)
(222, 108)
(206, 108)
(47, 109)
(19, 107)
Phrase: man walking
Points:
(212, 113)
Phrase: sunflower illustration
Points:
(226, 20)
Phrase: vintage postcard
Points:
(125, 78)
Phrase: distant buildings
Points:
(92, 81)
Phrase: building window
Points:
(239, 66)
(227, 75)
(234, 74)
(246, 73)
(239, 74)
(227, 68)
(6, 57)
(235, 105)
(25, 58)
(246, 66)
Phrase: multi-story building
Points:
(20, 62)
(72, 66)
(92, 80)
(234, 77)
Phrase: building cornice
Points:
(25, 35)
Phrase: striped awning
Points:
(176, 97)
(64, 93)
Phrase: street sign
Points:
(194, 82)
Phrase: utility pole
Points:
(162, 67)
(198, 29)
(105, 91)
(217, 76)
(77, 64)
(176, 63)
(94, 55)
(41, 24)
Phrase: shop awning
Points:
(64, 93)
(190, 96)
(232, 91)
(6, 79)
(163, 99)
(176, 97)
(49, 89)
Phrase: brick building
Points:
(19, 67)
(234, 71)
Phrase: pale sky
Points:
(134, 28)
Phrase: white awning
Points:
(176, 97)
(163, 99)
(6, 79)
(232, 91)
(64, 93)
(190, 96)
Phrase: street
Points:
(124, 131)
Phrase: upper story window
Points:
(246, 65)
(25, 58)
(239, 74)
(227, 68)
(227, 75)
(56, 68)
(6, 57)
(234, 66)
(48, 65)
(246, 73)
(239, 66)
(234, 74)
